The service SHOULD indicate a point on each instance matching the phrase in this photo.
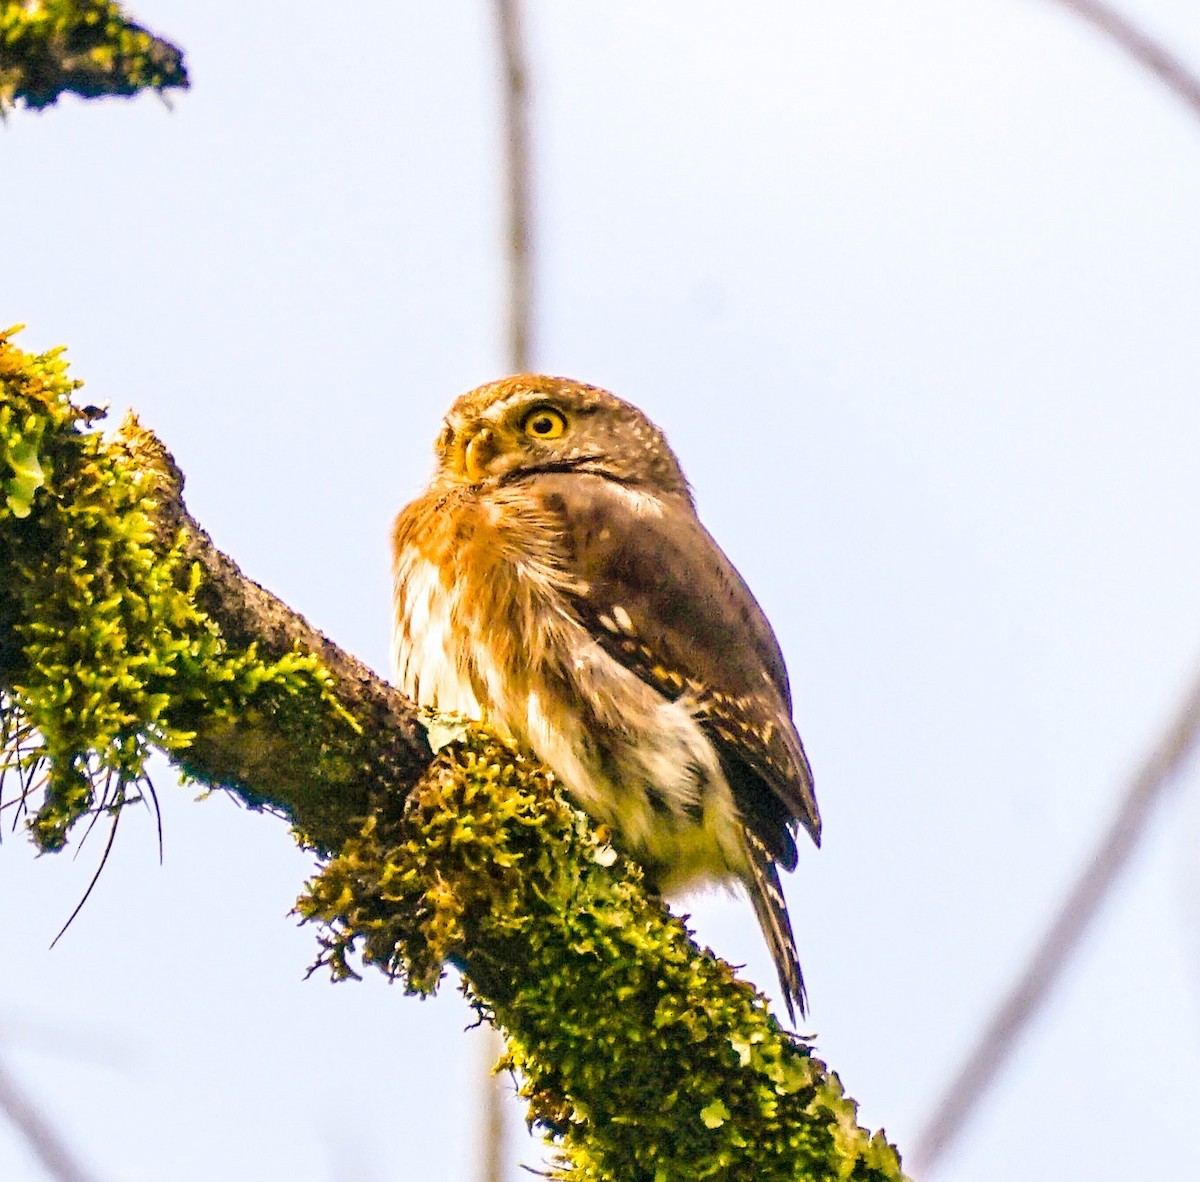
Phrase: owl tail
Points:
(766, 894)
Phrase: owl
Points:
(555, 580)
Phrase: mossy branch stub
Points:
(84, 47)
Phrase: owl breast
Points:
(474, 606)
(426, 663)
(484, 628)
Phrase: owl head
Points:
(527, 424)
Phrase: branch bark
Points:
(385, 755)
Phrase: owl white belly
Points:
(657, 780)
(423, 640)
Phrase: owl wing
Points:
(659, 595)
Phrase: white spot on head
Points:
(623, 620)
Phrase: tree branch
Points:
(518, 184)
(124, 630)
(1144, 49)
(518, 254)
(1029, 992)
(385, 754)
(39, 1135)
(999, 1039)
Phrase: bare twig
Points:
(519, 305)
(999, 1039)
(1143, 48)
(519, 309)
(493, 1139)
(39, 1135)
(518, 186)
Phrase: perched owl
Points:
(555, 580)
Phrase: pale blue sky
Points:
(914, 291)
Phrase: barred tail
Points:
(770, 907)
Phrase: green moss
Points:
(112, 654)
(85, 47)
(641, 1056)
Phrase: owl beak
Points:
(480, 452)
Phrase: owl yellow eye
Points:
(544, 423)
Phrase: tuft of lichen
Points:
(641, 1056)
(104, 654)
(85, 47)
(405, 893)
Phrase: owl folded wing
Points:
(658, 595)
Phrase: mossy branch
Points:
(123, 630)
(86, 47)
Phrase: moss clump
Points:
(104, 654)
(85, 47)
(642, 1056)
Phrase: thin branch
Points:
(1029, 993)
(518, 184)
(1000, 1037)
(493, 1127)
(39, 1135)
(494, 1155)
(1144, 49)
